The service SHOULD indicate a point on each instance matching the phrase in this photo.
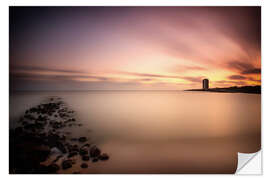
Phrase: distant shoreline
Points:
(235, 89)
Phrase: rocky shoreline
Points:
(43, 142)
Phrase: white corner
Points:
(249, 163)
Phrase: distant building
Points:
(205, 84)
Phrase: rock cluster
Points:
(41, 132)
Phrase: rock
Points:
(85, 158)
(74, 148)
(53, 168)
(95, 160)
(55, 150)
(103, 157)
(57, 158)
(84, 165)
(83, 151)
(73, 153)
(94, 151)
(61, 147)
(40, 137)
(85, 145)
(82, 139)
(66, 164)
(42, 152)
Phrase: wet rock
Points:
(94, 151)
(74, 148)
(83, 151)
(57, 158)
(61, 147)
(73, 153)
(103, 157)
(40, 134)
(53, 168)
(85, 145)
(85, 158)
(66, 164)
(84, 165)
(82, 139)
(42, 151)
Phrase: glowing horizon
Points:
(134, 48)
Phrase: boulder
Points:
(66, 164)
(73, 153)
(85, 158)
(103, 157)
(83, 151)
(53, 168)
(84, 165)
(94, 151)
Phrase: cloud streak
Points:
(159, 47)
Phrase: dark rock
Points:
(85, 145)
(84, 165)
(61, 147)
(53, 168)
(83, 151)
(42, 151)
(73, 153)
(57, 158)
(31, 143)
(85, 158)
(74, 148)
(66, 164)
(94, 151)
(82, 139)
(103, 157)
(95, 160)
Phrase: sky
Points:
(133, 48)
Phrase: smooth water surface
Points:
(161, 131)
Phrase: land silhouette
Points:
(233, 89)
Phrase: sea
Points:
(157, 132)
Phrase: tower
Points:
(205, 84)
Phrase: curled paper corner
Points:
(249, 163)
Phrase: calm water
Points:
(161, 131)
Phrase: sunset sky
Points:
(134, 48)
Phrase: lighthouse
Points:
(205, 84)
